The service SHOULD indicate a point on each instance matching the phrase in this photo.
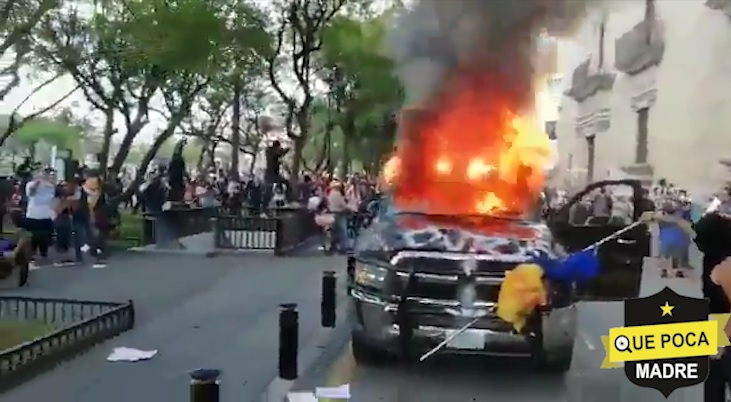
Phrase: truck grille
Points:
(449, 291)
(451, 267)
(442, 278)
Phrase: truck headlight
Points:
(370, 275)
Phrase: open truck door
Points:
(621, 259)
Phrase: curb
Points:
(311, 354)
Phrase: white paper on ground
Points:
(341, 392)
(125, 354)
(301, 397)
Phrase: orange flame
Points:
(469, 153)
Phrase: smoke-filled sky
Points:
(468, 140)
(435, 36)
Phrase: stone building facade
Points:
(652, 97)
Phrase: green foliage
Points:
(49, 131)
(184, 35)
(18, 18)
(125, 54)
(365, 92)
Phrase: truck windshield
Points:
(387, 209)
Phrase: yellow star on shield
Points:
(667, 309)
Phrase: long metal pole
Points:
(448, 339)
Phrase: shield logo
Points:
(648, 311)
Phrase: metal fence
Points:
(245, 232)
(281, 230)
(183, 221)
(74, 326)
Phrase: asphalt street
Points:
(197, 312)
(477, 379)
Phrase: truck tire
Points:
(557, 362)
(365, 354)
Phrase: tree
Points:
(17, 21)
(126, 56)
(321, 150)
(298, 36)
(206, 120)
(364, 91)
(253, 126)
(53, 132)
(15, 121)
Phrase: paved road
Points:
(214, 313)
(479, 379)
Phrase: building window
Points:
(551, 130)
(590, 154)
(641, 146)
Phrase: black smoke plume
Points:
(432, 38)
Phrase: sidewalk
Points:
(213, 313)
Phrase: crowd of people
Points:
(70, 221)
(65, 219)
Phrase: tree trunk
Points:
(303, 122)
(201, 159)
(349, 135)
(144, 164)
(299, 145)
(235, 135)
(109, 131)
(133, 129)
(212, 155)
(254, 157)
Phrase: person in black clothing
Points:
(7, 187)
(713, 238)
(304, 189)
(25, 170)
(177, 173)
(255, 195)
(153, 194)
(80, 218)
(62, 223)
(274, 156)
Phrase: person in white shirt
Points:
(206, 194)
(338, 205)
(279, 196)
(39, 214)
(315, 202)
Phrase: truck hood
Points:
(501, 238)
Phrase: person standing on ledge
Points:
(274, 156)
(177, 174)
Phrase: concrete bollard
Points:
(204, 385)
(328, 300)
(288, 341)
(350, 268)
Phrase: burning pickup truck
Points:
(415, 279)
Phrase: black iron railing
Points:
(245, 232)
(74, 326)
(244, 228)
(281, 230)
(181, 221)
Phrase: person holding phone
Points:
(39, 213)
